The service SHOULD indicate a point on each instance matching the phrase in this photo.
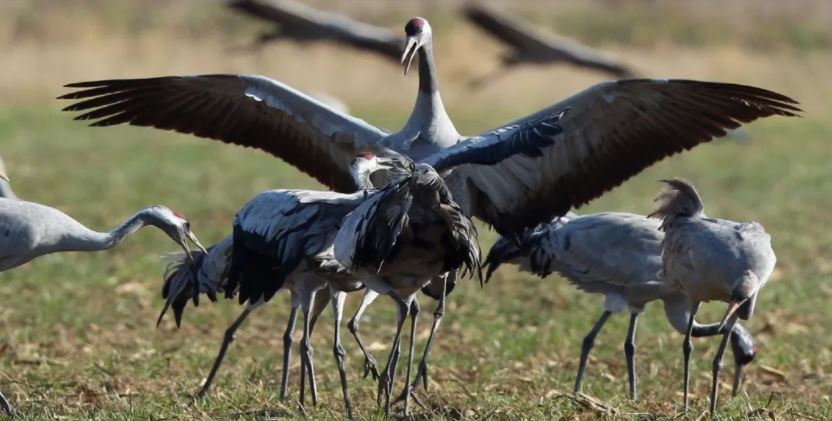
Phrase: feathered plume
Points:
(678, 199)
(184, 281)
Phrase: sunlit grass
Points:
(79, 329)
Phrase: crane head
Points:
(742, 345)
(418, 33)
(745, 288)
(176, 226)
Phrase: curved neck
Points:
(677, 311)
(6, 190)
(90, 240)
(429, 121)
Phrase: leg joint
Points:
(589, 341)
(687, 346)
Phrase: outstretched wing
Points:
(574, 151)
(252, 111)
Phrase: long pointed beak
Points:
(738, 372)
(410, 48)
(5, 177)
(732, 308)
(192, 237)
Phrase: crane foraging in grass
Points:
(619, 256)
(284, 239)
(397, 247)
(30, 230)
(711, 259)
(539, 166)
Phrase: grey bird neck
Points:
(428, 79)
(429, 128)
(677, 311)
(91, 240)
(6, 190)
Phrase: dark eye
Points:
(187, 225)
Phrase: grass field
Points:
(79, 339)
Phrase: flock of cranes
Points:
(399, 217)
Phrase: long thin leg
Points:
(7, 407)
(307, 367)
(388, 375)
(586, 346)
(227, 339)
(717, 365)
(687, 347)
(287, 351)
(338, 299)
(423, 364)
(414, 315)
(630, 352)
(322, 299)
(369, 361)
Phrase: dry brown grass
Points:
(81, 340)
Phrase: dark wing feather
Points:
(369, 233)
(251, 111)
(463, 232)
(275, 232)
(611, 132)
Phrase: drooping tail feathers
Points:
(184, 281)
(525, 250)
(678, 199)
(504, 250)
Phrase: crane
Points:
(398, 246)
(280, 233)
(5, 188)
(529, 45)
(539, 166)
(711, 259)
(617, 255)
(31, 230)
(303, 23)
(211, 275)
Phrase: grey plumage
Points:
(619, 256)
(30, 230)
(513, 177)
(431, 236)
(711, 259)
(284, 239)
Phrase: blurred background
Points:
(78, 331)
